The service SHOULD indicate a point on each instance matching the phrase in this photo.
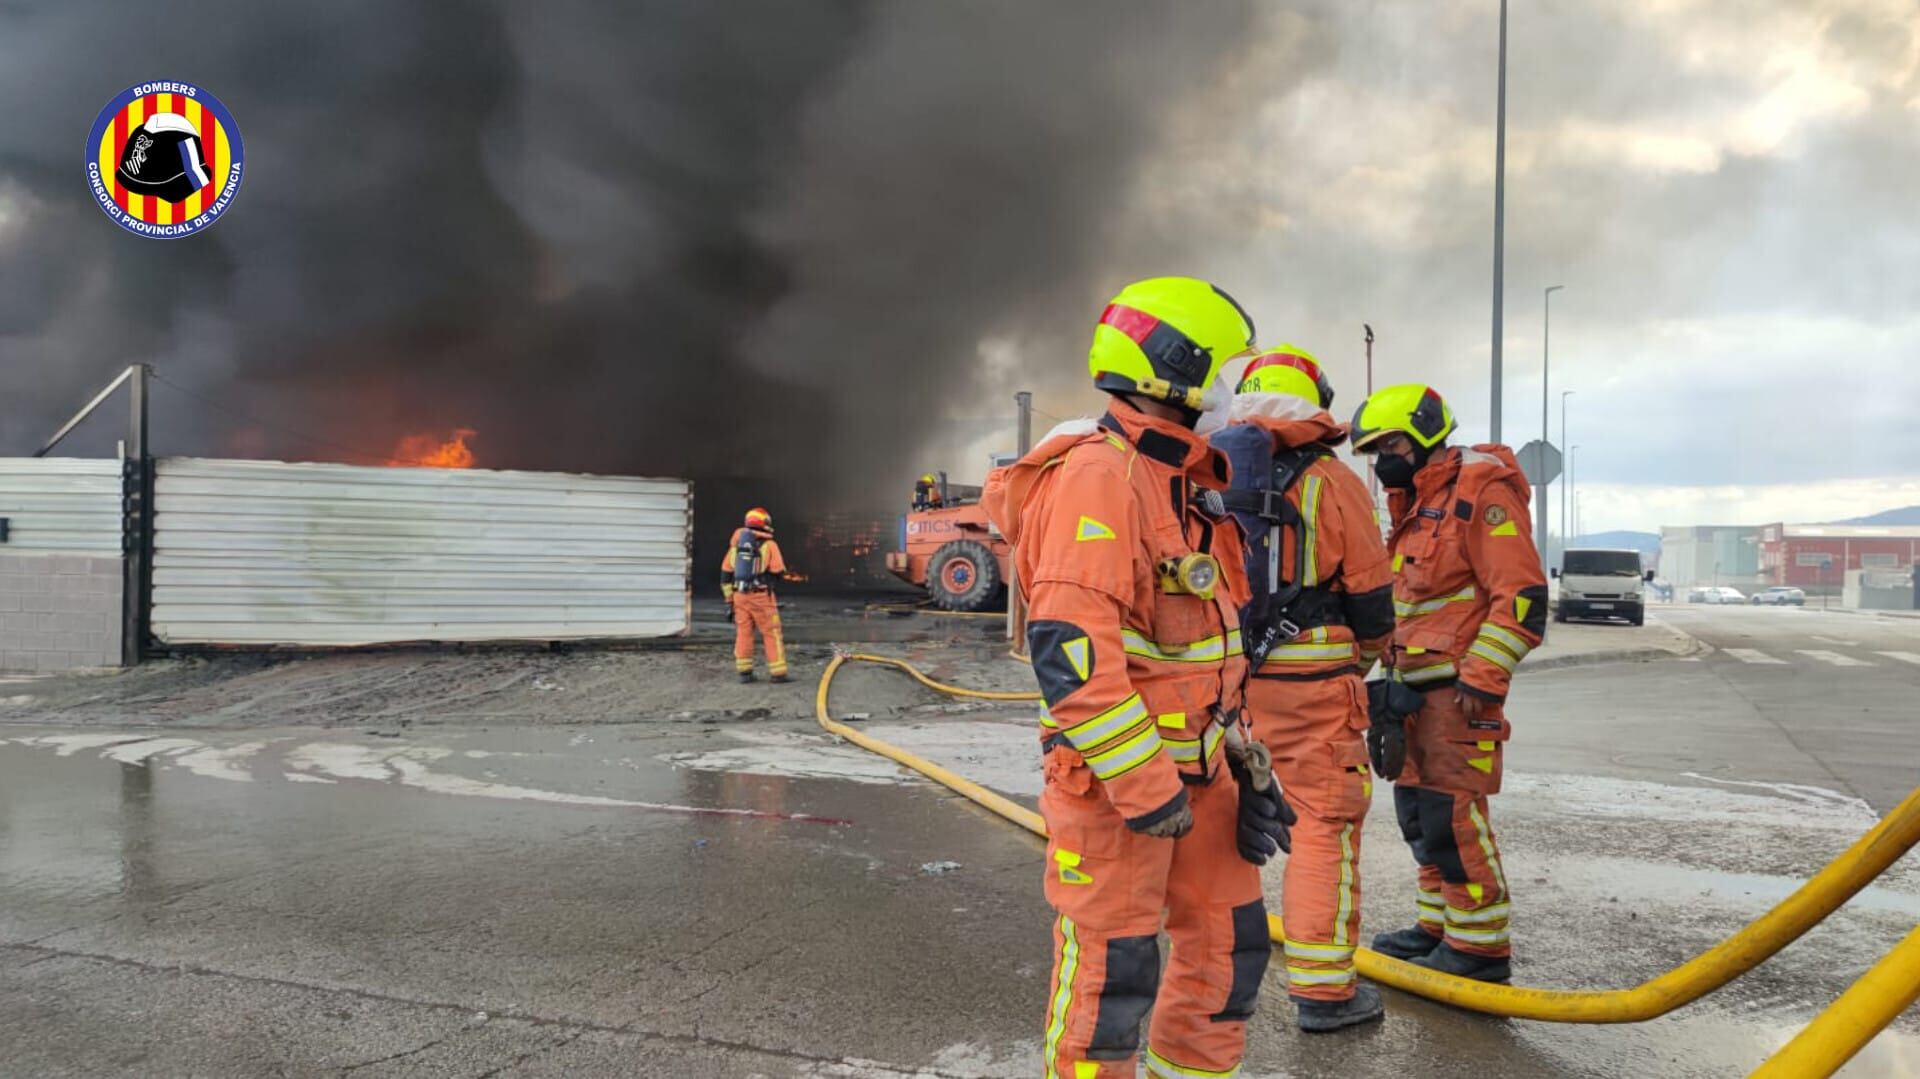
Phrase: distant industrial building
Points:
(1817, 557)
(1709, 555)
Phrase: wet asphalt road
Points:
(559, 902)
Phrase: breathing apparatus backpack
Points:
(746, 562)
(1279, 608)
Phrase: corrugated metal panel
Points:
(65, 504)
(261, 552)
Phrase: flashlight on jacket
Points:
(1191, 575)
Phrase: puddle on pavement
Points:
(338, 759)
(1671, 884)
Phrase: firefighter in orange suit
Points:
(746, 578)
(1320, 609)
(1158, 807)
(1471, 603)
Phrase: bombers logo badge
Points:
(164, 159)
(1495, 515)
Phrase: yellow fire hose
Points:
(1848, 1024)
(1820, 896)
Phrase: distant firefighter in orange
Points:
(746, 578)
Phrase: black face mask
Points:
(1394, 470)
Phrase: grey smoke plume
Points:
(744, 241)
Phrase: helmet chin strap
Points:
(1178, 394)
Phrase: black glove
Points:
(1389, 703)
(1264, 813)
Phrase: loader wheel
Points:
(963, 576)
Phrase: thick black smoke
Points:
(758, 243)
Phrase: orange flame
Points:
(432, 451)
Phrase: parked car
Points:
(1780, 596)
(1723, 594)
(1700, 595)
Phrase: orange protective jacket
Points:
(1468, 590)
(1131, 674)
(1344, 554)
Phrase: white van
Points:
(1602, 583)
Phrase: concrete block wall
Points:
(58, 612)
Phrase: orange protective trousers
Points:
(757, 611)
(1441, 802)
(1110, 885)
(1316, 731)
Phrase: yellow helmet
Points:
(1165, 338)
(927, 479)
(1410, 408)
(1287, 369)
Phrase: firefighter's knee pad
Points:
(1406, 811)
(1252, 948)
(1435, 809)
(1132, 982)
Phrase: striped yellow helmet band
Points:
(1288, 369)
(1166, 338)
(1412, 409)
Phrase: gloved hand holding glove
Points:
(1173, 826)
(1264, 814)
(1389, 703)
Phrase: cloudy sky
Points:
(1728, 189)
(661, 237)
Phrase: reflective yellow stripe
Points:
(1432, 917)
(1345, 912)
(1509, 641)
(1209, 650)
(1479, 936)
(1421, 675)
(1126, 756)
(1163, 1068)
(1109, 724)
(1407, 609)
(1328, 953)
(1315, 976)
(1311, 653)
(1309, 513)
(1189, 750)
(1494, 654)
(1062, 993)
(1496, 912)
(1487, 848)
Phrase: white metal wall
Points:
(67, 505)
(263, 552)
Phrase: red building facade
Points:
(1816, 557)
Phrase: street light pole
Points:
(1373, 481)
(1564, 484)
(1573, 480)
(1546, 431)
(1499, 217)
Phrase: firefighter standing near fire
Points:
(1319, 611)
(1158, 808)
(1471, 602)
(747, 574)
(926, 493)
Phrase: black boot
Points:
(746, 676)
(1320, 1016)
(1449, 960)
(780, 678)
(1405, 943)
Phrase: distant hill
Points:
(1644, 542)
(1905, 515)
